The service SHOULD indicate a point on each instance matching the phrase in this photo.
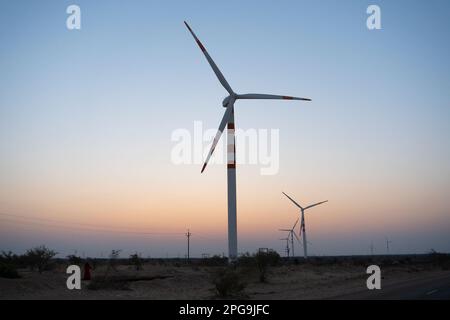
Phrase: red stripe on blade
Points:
(230, 126)
(201, 46)
(287, 98)
(231, 166)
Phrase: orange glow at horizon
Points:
(170, 205)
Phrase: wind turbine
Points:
(287, 239)
(291, 235)
(287, 245)
(302, 225)
(388, 242)
(228, 120)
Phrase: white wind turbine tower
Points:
(291, 235)
(302, 225)
(228, 120)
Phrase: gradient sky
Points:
(86, 119)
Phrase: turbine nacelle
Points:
(226, 101)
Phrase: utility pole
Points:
(188, 235)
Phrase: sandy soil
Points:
(195, 282)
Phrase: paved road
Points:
(428, 288)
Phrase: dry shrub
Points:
(228, 283)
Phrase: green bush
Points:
(262, 260)
(265, 260)
(8, 257)
(12, 259)
(39, 258)
(74, 260)
(8, 271)
(228, 284)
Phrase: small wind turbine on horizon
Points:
(291, 235)
(287, 246)
(388, 242)
(228, 120)
(302, 225)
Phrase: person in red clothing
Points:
(87, 271)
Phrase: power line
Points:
(109, 228)
(76, 226)
(90, 229)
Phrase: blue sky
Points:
(96, 107)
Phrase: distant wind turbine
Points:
(302, 225)
(287, 245)
(228, 120)
(388, 242)
(291, 235)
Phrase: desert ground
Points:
(313, 279)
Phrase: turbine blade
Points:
(269, 96)
(295, 223)
(316, 204)
(222, 125)
(293, 201)
(211, 62)
(298, 239)
(284, 230)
